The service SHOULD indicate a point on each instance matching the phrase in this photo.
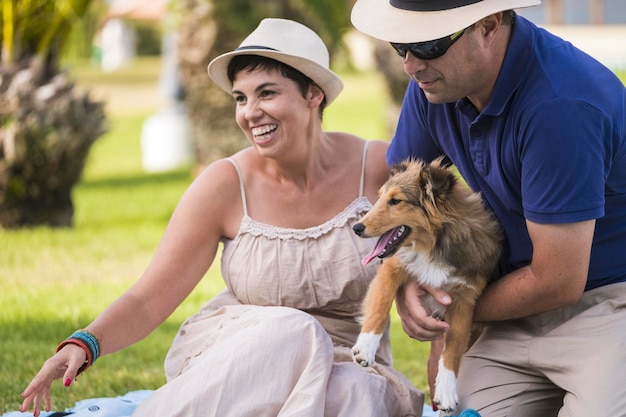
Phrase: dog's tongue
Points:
(380, 246)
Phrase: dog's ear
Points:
(408, 164)
(439, 182)
(399, 167)
(439, 162)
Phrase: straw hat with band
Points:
(290, 43)
(408, 21)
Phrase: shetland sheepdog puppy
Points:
(433, 229)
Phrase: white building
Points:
(586, 12)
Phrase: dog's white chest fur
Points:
(423, 269)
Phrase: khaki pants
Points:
(568, 362)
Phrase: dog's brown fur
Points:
(454, 244)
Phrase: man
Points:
(539, 128)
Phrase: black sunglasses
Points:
(429, 49)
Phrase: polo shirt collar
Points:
(513, 67)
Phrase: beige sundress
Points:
(276, 341)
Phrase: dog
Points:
(433, 229)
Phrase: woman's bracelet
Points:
(90, 344)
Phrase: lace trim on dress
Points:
(354, 211)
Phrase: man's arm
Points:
(555, 277)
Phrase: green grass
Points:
(55, 281)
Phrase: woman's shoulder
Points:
(218, 172)
(374, 146)
(216, 190)
(219, 178)
(376, 169)
(378, 150)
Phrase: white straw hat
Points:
(290, 43)
(407, 21)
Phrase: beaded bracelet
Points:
(89, 342)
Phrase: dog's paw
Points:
(362, 358)
(364, 351)
(446, 396)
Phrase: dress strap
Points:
(362, 183)
(241, 187)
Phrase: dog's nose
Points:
(358, 228)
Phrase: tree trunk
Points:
(201, 37)
(46, 131)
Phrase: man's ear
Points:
(490, 25)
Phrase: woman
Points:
(277, 340)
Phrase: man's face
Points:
(467, 69)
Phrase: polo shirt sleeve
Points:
(564, 167)
(412, 138)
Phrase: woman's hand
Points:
(416, 321)
(64, 364)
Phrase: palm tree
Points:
(46, 126)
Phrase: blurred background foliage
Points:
(44, 141)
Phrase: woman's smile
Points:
(264, 134)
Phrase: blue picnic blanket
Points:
(124, 405)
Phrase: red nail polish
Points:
(67, 382)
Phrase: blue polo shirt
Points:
(549, 147)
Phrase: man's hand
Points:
(416, 321)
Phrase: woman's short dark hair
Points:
(252, 62)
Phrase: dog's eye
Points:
(394, 202)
